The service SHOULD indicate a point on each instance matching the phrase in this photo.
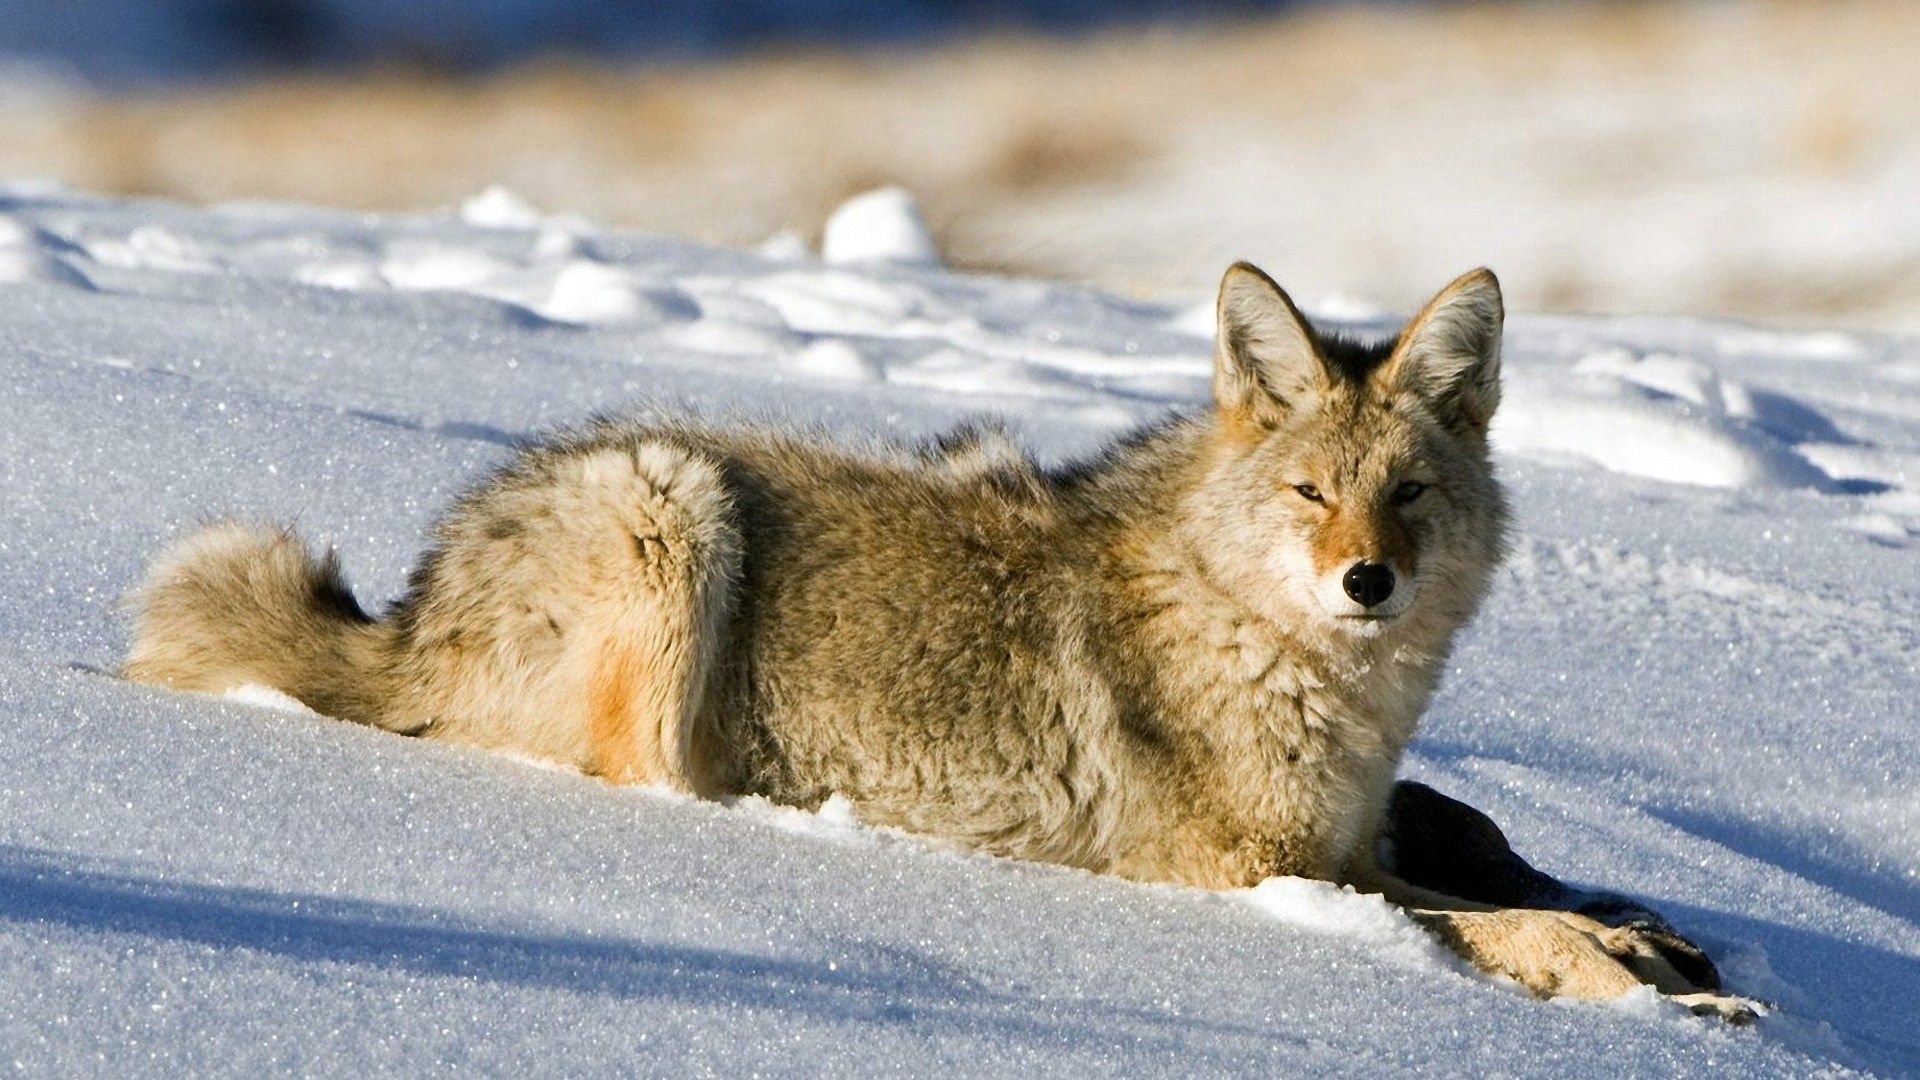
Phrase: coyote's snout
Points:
(1195, 658)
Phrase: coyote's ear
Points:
(1449, 354)
(1264, 359)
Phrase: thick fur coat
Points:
(1195, 659)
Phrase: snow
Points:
(1658, 416)
(1742, 157)
(1323, 908)
(1695, 683)
(267, 697)
(882, 226)
(499, 208)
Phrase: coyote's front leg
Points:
(1565, 954)
(1551, 953)
(1444, 845)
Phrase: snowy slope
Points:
(1696, 683)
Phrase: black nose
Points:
(1368, 583)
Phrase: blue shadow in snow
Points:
(1864, 993)
(1792, 852)
(877, 985)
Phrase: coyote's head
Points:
(1348, 486)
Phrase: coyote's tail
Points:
(234, 604)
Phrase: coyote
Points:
(1195, 658)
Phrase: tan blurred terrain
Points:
(1752, 159)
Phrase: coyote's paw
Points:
(1657, 956)
(1651, 931)
(1562, 954)
(1737, 1011)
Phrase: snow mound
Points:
(442, 267)
(1324, 908)
(587, 293)
(18, 265)
(266, 697)
(883, 226)
(499, 208)
(26, 254)
(1661, 417)
(152, 247)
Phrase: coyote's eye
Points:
(1408, 492)
(1308, 492)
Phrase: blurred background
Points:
(1751, 159)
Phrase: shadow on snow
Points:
(866, 983)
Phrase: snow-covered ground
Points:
(1695, 683)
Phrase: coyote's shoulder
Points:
(1196, 658)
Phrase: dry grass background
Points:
(1757, 159)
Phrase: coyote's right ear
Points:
(1265, 362)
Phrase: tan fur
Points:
(1349, 535)
(615, 747)
(1564, 954)
(1142, 665)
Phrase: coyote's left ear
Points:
(1449, 354)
